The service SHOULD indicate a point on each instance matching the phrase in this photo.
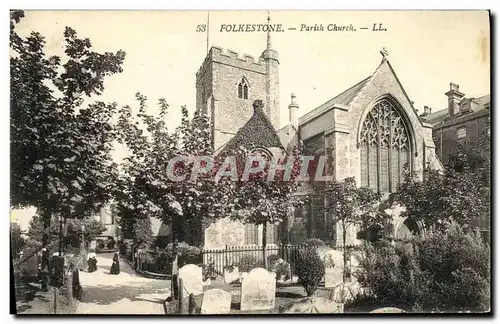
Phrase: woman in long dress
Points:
(92, 262)
(115, 267)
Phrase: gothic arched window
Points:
(243, 89)
(384, 147)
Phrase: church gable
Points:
(384, 83)
(257, 132)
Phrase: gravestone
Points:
(242, 275)
(192, 279)
(258, 290)
(334, 268)
(231, 276)
(216, 301)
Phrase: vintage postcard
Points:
(250, 162)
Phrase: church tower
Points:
(228, 83)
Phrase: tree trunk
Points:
(344, 233)
(46, 217)
(264, 243)
(60, 235)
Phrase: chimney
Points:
(427, 110)
(454, 97)
(293, 108)
(258, 105)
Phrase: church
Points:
(369, 131)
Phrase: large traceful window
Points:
(384, 148)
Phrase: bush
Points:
(187, 254)
(248, 262)
(279, 266)
(445, 271)
(310, 269)
(313, 243)
(161, 263)
(208, 271)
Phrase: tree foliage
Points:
(259, 201)
(349, 206)
(17, 240)
(60, 150)
(445, 270)
(146, 186)
(460, 193)
(73, 230)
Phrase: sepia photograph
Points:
(250, 162)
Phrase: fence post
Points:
(225, 258)
(181, 296)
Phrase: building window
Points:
(461, 132)
(250, 234)
(243, 89)
(384, 147)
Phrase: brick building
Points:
(463, 118)
(369, 132)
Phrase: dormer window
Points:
(243, 89)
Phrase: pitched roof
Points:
(343, 98)
(257, 132)
(440, 115)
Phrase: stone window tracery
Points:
(384, 148)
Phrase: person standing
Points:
(115, 267)
(77, 288)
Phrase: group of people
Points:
(92, 264)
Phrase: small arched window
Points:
(384, 147)
(243, 89)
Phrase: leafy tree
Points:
(460, 193)
(147, 189)
(143, 235)
(16, 239)
(92, 228)
(350, 206)
(60, 151)
(259, 201)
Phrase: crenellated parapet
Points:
(232, 58)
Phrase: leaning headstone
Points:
(192, 279)
(312, 305)
(334, 268)
(258, 290)
(231, 275)
(216, 301)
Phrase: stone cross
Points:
(384, 54)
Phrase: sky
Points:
(427, 49)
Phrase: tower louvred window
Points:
(243, 89)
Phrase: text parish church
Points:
(369, 132)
